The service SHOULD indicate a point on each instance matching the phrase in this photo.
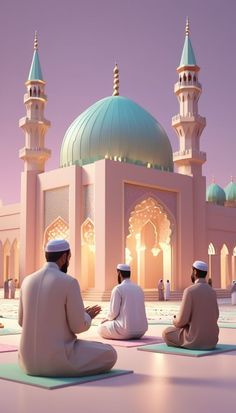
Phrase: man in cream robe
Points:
(195, 327)
(51, 312)
(127, 316)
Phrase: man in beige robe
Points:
(127, 316)
(51, 312)
(195, 327)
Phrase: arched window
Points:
(34, 93)
(39, 92)
(189, 77)
(184, 77)
(30, 92)
(211, 249)
(180, 79)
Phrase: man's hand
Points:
(93, 311)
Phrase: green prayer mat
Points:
(9, 331)
(227, 325)
(163, 348)
(13, 372)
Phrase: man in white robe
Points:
(195, 327)
(51, 313)
(127, 316)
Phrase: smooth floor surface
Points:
(161, 383)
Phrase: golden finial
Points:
(116, 81)
(187, 31)
(35, 40)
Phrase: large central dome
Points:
(116, 128)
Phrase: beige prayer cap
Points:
(123, 267)
(57, 245)
(200, 265)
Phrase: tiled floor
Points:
(160, 383)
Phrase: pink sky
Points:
(79, 42)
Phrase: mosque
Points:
(120, 194)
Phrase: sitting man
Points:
(51, 312)
(127, 316)
(196, 325)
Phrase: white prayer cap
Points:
(200, 265)
(123, 267)
(57, 245)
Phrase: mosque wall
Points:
(56, 203)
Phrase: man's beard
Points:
(64, 267)
(119, 279)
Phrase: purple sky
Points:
(79, 42)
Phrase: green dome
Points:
(230, 191)
(116, 128)
(216, 194)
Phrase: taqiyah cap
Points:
(123, 267)
(57, 245)
(200, 265)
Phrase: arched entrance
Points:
(148, 245)
(6, 260)
(224, 267)
(211, 253)
(88, 254)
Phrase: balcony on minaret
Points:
(187, 155)
(28, 121)
(187, 84)
(41, 97)
(189, 117)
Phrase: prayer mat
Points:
(163, 348)
(129, 343)
(160, 322)
(227, 325)
(4, 348)
(12, 372)
(9, 331)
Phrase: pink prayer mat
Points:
(4, 348)
(130, 343)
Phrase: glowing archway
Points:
(211, 251)
(148, 245)
(57, 229)
(224, 266)
(6, 259)
(88, 253)
(14, 260)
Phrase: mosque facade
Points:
(120, 193)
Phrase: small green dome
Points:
(215, 194)
(230, 191)
(116, 128)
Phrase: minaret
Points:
(35, 126)
(34, 155)
(188, 124)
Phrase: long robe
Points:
(196, 324)
(127, 315)
(51, 312)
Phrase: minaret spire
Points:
(34, 123)
(116, 81)
(35, 40)
(188, 124)
(187, 31)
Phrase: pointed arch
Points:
(211, 252)
(224, 266)
(88, 253)
(57, 229)
(6, 259)
(14, 259)
(149, 243)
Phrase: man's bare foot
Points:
(1, 325)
